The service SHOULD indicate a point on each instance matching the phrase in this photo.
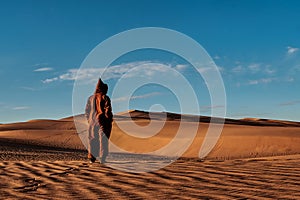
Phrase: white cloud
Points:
(210, 69)
(290, 79)
(238, 69)
(255, 67)
(146, 95)
(120, 99)
(43, 69)
(217, 57)
(141, 69)
(137, 97)
(21, 108)
(180, 67)
(148, 70)
(258, 81)
(28, 88)
(291, 50)
(253, 82)
(40, 64)
(269, 70)
(92, 74)
(49, 80)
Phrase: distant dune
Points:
(137, 114)
(244, 138)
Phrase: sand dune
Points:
(243, 138)
(253, 159)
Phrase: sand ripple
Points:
(264, 178)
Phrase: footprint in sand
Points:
(70, 170)
(31, 184)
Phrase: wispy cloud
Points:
(145, 68)
(91, 74)
(28, 88)
(290, 103)
(291, 50)
(43, 69)
(255, 67)
(238, 69)
(49, 80)
(269, 70)
(21, 108)
(210, 69)
(289, 79)
(40, 64)
(144, 96)
(180, 67)
(259, 81)
(217, 57)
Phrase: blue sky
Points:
(254, 43)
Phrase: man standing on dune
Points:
(98, 112)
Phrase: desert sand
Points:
(253, 159)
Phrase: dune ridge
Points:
(244, 138)
(138, 114)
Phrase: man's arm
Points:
(108, 109)
(99, 108)
(87, 109)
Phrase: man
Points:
(99, 115)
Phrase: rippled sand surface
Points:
(263, 178)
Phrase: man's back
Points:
(98, 110)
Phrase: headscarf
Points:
(101, 87)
